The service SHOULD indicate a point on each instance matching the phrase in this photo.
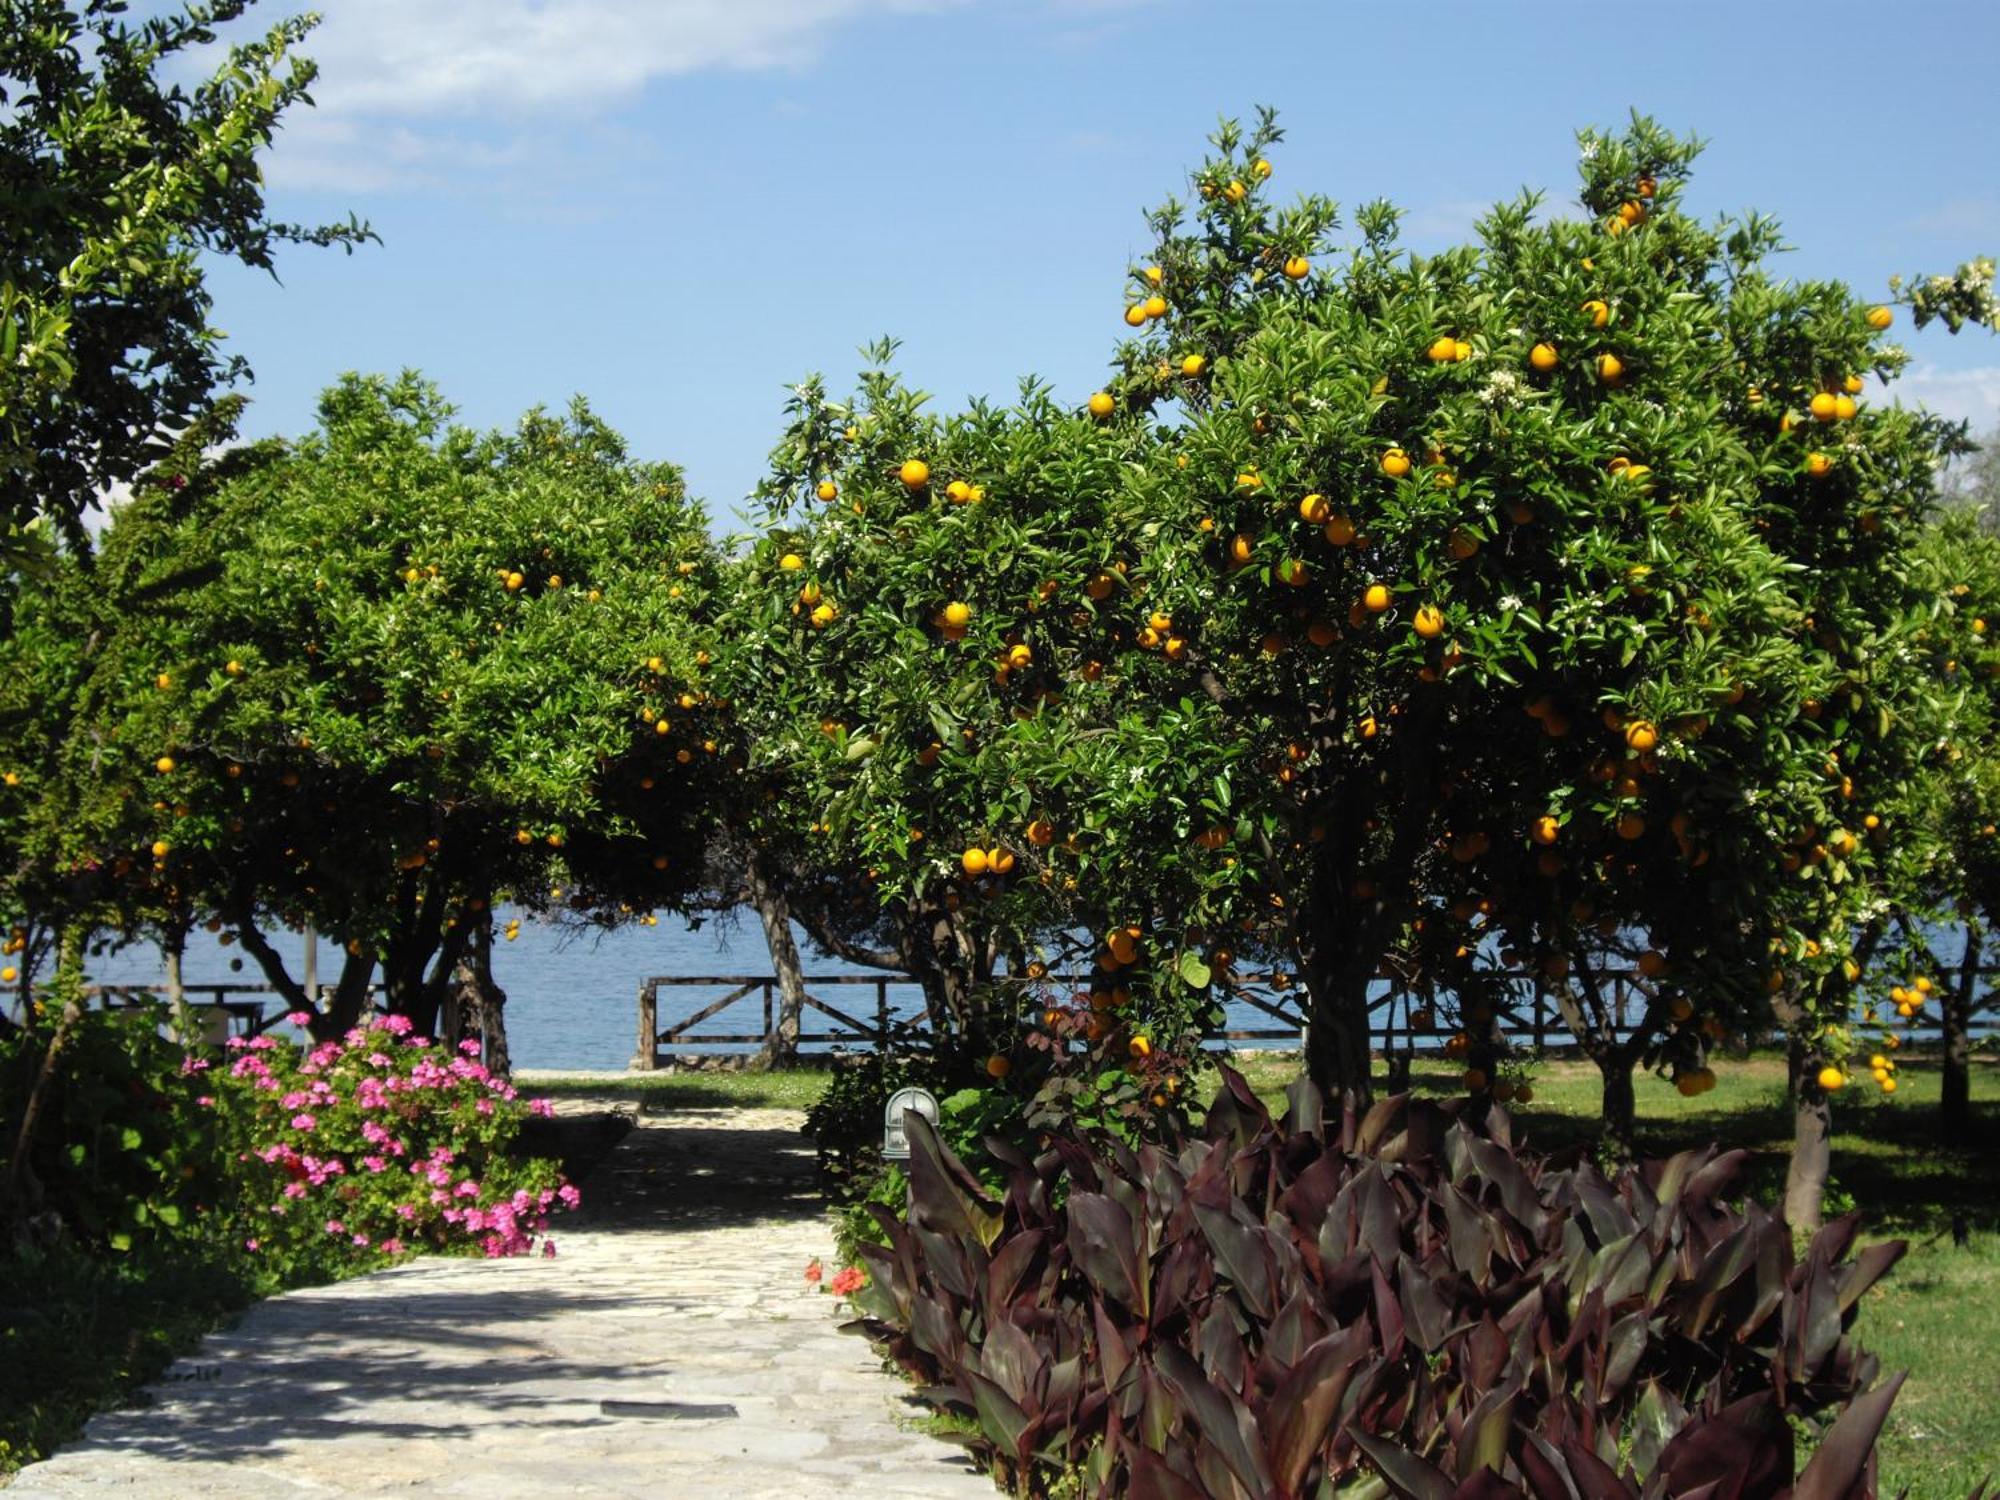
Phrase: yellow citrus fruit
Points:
(1543, 357)
(1443, 350)
(1193, 365)
(1641, 736)
(160, 848)
(1101, 404)
(1376, 598)
(1139, 1047)
(164, 764)
(1135, 314)
(791, 562)
(828, 490)
(1395, 463)
(1156, 306)
(1880, 318)
(823, 616)
(1598, 313)
(915, 473)
(973, 861)
(1844, 408)
(1339, 530)
(1818, 465)
(1823, 406)
(957, 613)
(1609, 368)
(1297, 267)
(1314, 508)
(1831, 1079)
(998, 1067)
(1428, 622)
(1545, 829)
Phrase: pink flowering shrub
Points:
(379, 1145)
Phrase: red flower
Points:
(813, 1272)
(847, 1281)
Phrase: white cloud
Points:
(405, 58)
(1970, 394)
(424, 93)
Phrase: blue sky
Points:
(678, 207)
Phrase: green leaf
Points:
(1194, 972)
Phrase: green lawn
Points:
(717, 1089)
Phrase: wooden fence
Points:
(1524, 1013)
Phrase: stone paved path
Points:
(681, 1282)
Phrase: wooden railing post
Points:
(770, 1023)
(647, 1058)
(881, 1015)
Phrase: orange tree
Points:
(386, 676)
(922, 650)
(1496, 566)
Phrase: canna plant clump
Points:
(1399, 1300)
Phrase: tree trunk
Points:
(1617, 1124)
(493, 1048)
(781, 1047)
(1812, 1146)
(1955, 1105)
(23, 1188)
(1336, 976)
(1337, 1036)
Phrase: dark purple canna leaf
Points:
(1657, 1417)
(1151, 1477)
(1843, 1466)
(1544, 1470)
(1298, 1418)
(1745, 1449)
(1240, 1254)
(1101, 1240)
(1011, 1361)
(1406, 1474)
(1485, 1484)
(1853, 1279)
(1471, 1245)
(1225, 1423)
(1220, 1349)
(1012, 1265)
(1305, 1112)
(1000, 1418)
(944, 1196)
(1593, 1477)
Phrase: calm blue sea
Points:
(573, 1001)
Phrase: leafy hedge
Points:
(1402, 1302)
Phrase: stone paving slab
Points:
(485, 1379)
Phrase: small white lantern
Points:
(895, 1139)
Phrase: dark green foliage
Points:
(121, 1154)
(1400, 1299)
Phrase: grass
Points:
(81, 1332)
(795, 1088)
